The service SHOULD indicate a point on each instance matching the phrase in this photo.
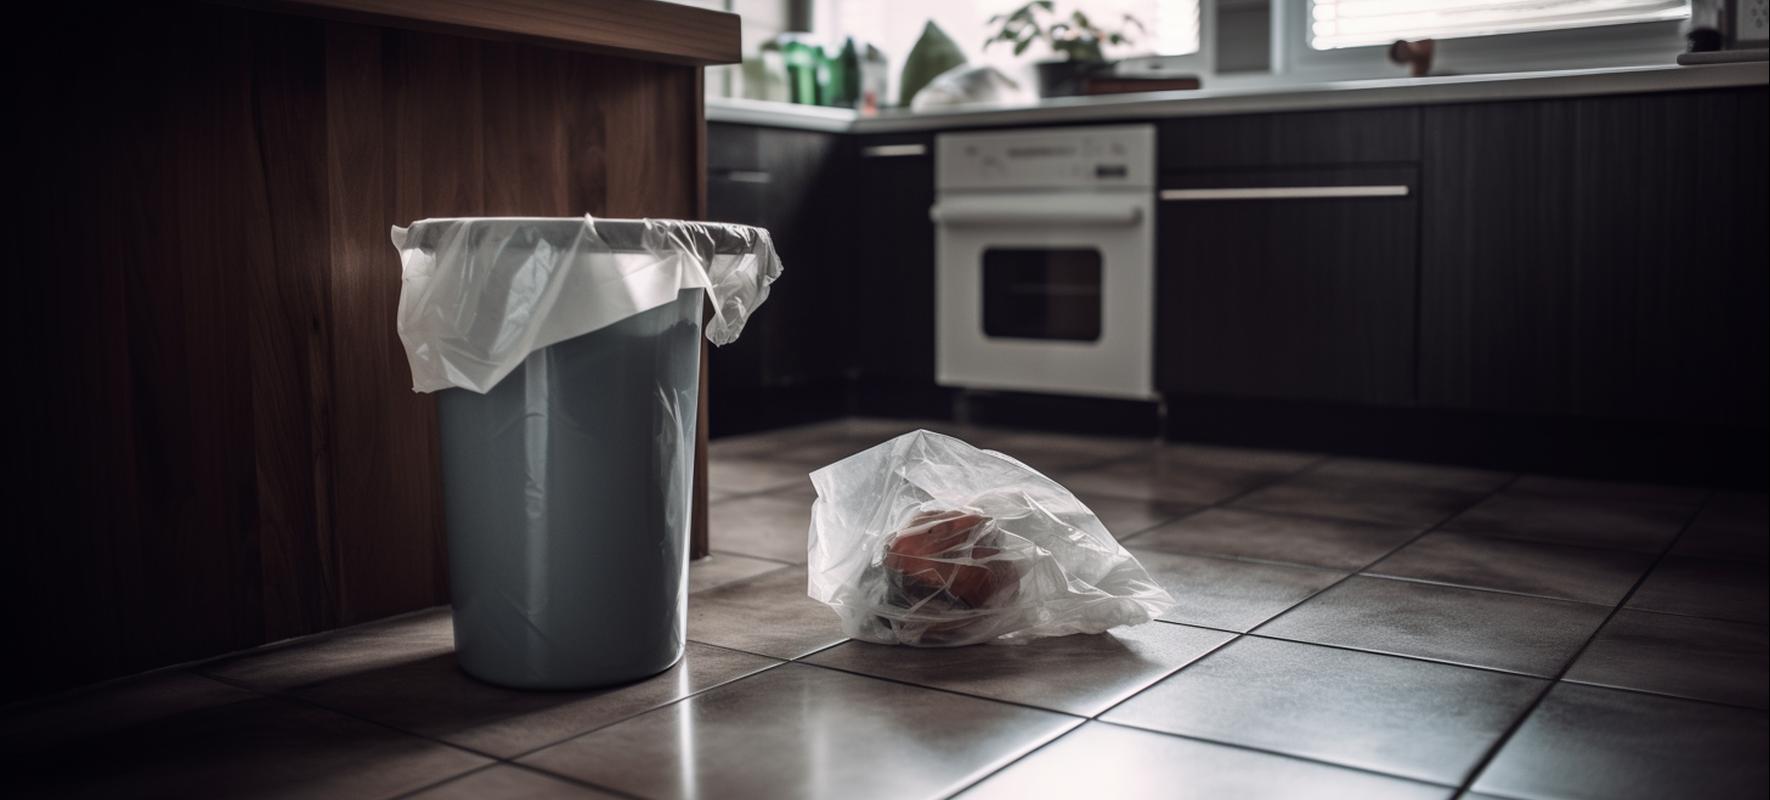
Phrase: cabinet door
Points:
(1597, 257)
(779, 180)
(891, 259)
(1295, 284)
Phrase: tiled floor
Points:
(1345, 628)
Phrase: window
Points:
(1336, 24)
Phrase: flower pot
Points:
(1066, 78)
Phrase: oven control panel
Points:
(1094, 158)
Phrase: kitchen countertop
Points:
(1255, 99)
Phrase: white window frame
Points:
(1626, 44)
(1202, 61)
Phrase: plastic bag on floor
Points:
(925, 540)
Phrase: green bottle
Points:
(844, 84)
(802, 68)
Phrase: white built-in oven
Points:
(1045, 251)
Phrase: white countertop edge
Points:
(780, 115)
(1253, 100)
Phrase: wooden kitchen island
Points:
(222, 447)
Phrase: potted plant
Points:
(1076, 39)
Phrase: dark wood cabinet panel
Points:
(790, 360)
(891, 260)
(1357, 136)
(224, 447)
(1297, 298)
(1599, 257)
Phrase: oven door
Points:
(1046, 292)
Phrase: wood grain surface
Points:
(223, 447)
(640, 29)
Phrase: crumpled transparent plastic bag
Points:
(479, 294)
(925, 540)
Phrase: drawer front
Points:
(1363, 136)
(733, 147)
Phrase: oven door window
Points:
(1042, 293)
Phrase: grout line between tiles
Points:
(924, 687)
(1652, 693)
(587, 731)
(1529, 538)
(1281, 754)
(770, 559)
(1493, 750)
(287, 696)
(1016, 760)
(1392, 551)
(1421, 659)
(434, 784)
(1731, 620)
(578, 781)
(1171, 673)
(1488, 589)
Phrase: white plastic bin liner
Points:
(480, 294)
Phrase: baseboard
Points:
(1628, 450)
(737, 410)
(1062, 413)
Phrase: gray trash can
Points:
(567, 472)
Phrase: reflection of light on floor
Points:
(686, 750)
(823, 724)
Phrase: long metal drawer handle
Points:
(893, 150)
(1285, 192)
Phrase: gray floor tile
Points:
(1587, 742)
(803, 731)
(1734, 525)
(750, 475)
(1516, 565)
(1281, 538)
(511, 783)
(1108, 761)
(769, 614)
(376, 645)
(433, 697)
(1685, 656)
(133, 702)
(1232, 595)
(1626, 525)
(1575, 488)
(254, 748)
(1706, 587)
(1074, 674)
(1191, 474)
(1439, 476)
(1400, 716)
(1531, 635)
(1379, 501)
(1126, 517)
(764, 526)
(719, 569)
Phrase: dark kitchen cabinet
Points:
(890, 257)
(789, 364)
(1294, 284)
(1597, 257)
(1297, 139)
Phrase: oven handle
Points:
(1282, 193)
(1093, 211)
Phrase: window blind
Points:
(1356, 23)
